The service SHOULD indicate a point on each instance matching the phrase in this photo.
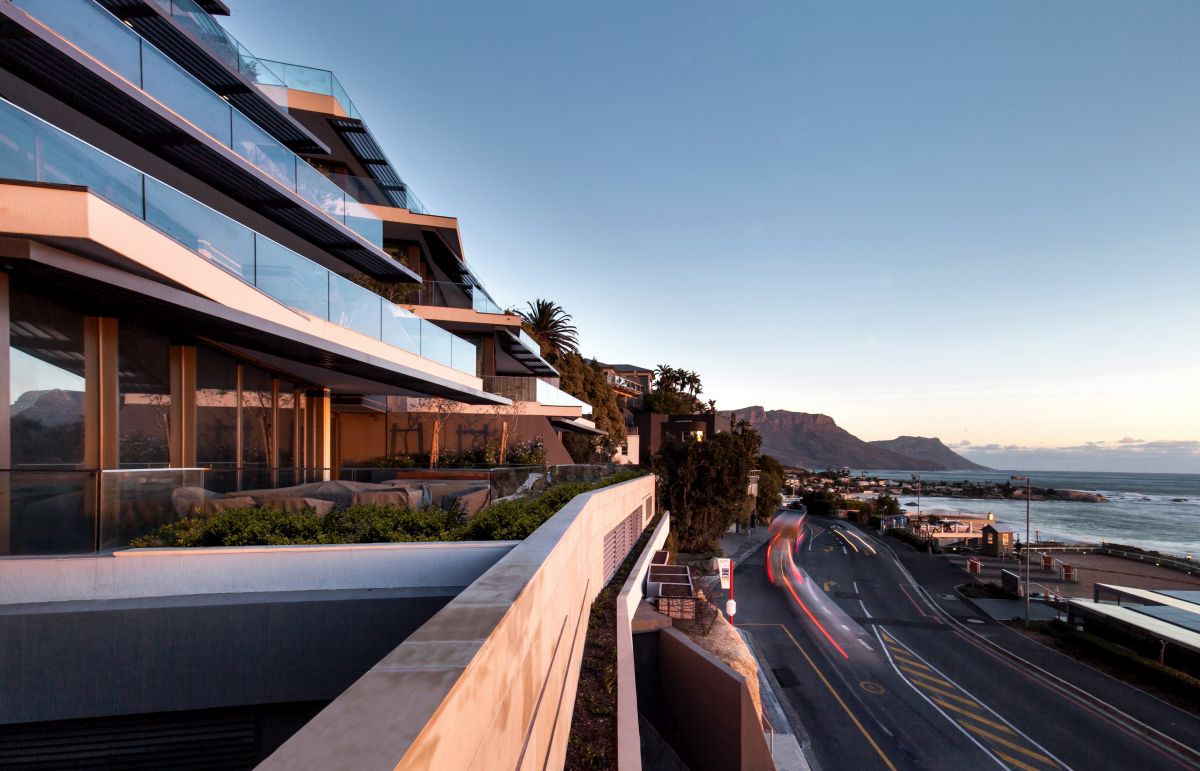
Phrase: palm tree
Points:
(551, 326)
(712, 406)
(691, 381)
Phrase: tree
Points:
(770, 486)
(584, 379)
(510, 417)
(551, 326)
(675, 392)
(703, 485)
(441, 409)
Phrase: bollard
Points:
(1047, 563)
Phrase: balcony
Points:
(448, 294)
(376, 193)
(126, 58)
(314, 80)
(632, 387)
(532, 389)
(34, 151)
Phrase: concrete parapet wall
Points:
(629, 745)
(230, 570)
(489, 682)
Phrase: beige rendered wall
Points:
(489, 682)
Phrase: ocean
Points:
(1151, 511)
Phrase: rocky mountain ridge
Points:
(814, 441)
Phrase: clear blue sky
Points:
(976, 221)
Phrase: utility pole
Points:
(1028, 496)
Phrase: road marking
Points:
(917, 690)
(1042, 755)
(860, 540)
(926, 676)
(973, 716)
(1011, 745)
(872, 687)
(828, 585)
(950, 695)
(905, 659)
(845, 708)
(1013, 761)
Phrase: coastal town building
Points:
(213, 278)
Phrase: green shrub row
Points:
(372, 523)
(1161, 676)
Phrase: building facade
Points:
(211, 277)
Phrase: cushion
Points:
(410, 498)
(217, 505)
(295, 504)
(473, 502)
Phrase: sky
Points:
(976, 221)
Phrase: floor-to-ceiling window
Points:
(48, 508)
(144, 387)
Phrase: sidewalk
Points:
(739, 546)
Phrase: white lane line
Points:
(941, 712)
(991, 711)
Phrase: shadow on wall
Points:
(698, 705)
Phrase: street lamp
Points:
(1028, 496)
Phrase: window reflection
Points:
(216, 409)
(145, 391)
(46, 383)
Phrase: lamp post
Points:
(920, 525)
(1028, 494)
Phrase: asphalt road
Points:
(877, 679)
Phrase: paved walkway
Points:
(739, 546)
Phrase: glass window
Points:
(257, 419)
(144, 385)
(287, 424)
(216, 409)
(46, 383)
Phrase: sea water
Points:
(1151, 511)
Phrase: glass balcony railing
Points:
(624, 383)
(532, 389)
(35, 151)
(372, 191)
(189, 15)
(314, 80)
(103, 37)
(447, 294)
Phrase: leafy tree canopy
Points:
(584, 379)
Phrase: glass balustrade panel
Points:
(355, 307)
(401, 328)
(220, 240)
(436, 344)
(264, 151)
(94, 30)
(293, 280)
(463, 355)
(174, 87)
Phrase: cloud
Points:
(1126, 454)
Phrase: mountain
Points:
(932, 450)
(817, 442)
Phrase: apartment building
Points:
(213, 279)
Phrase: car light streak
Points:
(808, 612)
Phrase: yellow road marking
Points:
(888, 638)
(845, 708)
(910, 661)
(973, 716)
(1010, 759)
(1011, 745)
(931, 678)
(947, 694)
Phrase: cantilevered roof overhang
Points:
(577, 425)
(88, 283)
(521, 350)
(39, 56)
(198, 58)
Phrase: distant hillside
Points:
(932, 450)
(816, 442)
